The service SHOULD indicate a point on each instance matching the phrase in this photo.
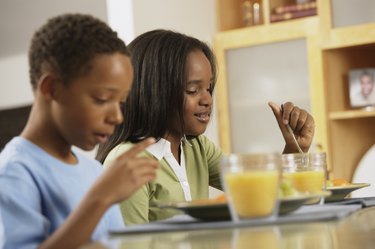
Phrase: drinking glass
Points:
(251, 182)
(306, 171)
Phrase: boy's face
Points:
(88, 109)
(198, 98)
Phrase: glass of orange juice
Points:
(306, 171)
(251, 182)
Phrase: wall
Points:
(18, 21)
(128, 17)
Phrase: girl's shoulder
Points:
(204, 144)
(201, 140)
(119, 150)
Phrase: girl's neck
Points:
(175, 145)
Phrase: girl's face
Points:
(88, 109)
(198, 93)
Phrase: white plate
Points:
(340, 192)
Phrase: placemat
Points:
(306, 213)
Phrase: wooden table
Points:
(354, 231)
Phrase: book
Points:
(292, 15)
(295, 7)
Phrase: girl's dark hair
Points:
(67, 44)
(157, 95)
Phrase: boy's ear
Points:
(47, 86)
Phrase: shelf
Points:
(350, 36)
(261, 34)
(234, 14)
(352, 114)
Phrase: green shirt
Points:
(202, 160)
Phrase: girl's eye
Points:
(191, 91)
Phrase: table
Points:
(354, 231)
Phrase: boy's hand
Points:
(127, 173)
(301, 122)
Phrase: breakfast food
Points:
(337, 182)
(286, 189)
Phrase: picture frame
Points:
(362, 87)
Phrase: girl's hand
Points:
(127, 174)
(301, 122)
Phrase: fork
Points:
(294, 138)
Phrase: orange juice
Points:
(253, 193)
(306, 181)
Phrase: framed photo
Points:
(361, 87)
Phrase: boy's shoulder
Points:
(21, 153)
(16, 150)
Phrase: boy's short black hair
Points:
(67, 43)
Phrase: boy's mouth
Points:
(101, 138)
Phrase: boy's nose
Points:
(116, 116)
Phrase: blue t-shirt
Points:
(38, 192)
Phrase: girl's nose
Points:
(206, 99)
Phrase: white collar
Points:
(160, 149)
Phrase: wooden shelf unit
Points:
(343, 132)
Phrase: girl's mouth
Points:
(203, 117)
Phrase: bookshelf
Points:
(345, 133)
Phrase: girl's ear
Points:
(47, 86)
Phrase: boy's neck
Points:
(40, 132)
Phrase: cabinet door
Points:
(257, 74)
(352, 12)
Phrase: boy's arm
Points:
(127, 174)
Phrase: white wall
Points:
(18, 21)
(15, 88)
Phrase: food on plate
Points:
(286, 189)
(217, 200)
(337, 182)
(221, 198)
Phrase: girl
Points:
(171, 100)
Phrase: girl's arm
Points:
(301, 122)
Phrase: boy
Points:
(51, 196)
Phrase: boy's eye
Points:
(100, 100)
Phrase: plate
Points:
(211, 211)
(201, 210)
(290, 204)
(340, 192)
